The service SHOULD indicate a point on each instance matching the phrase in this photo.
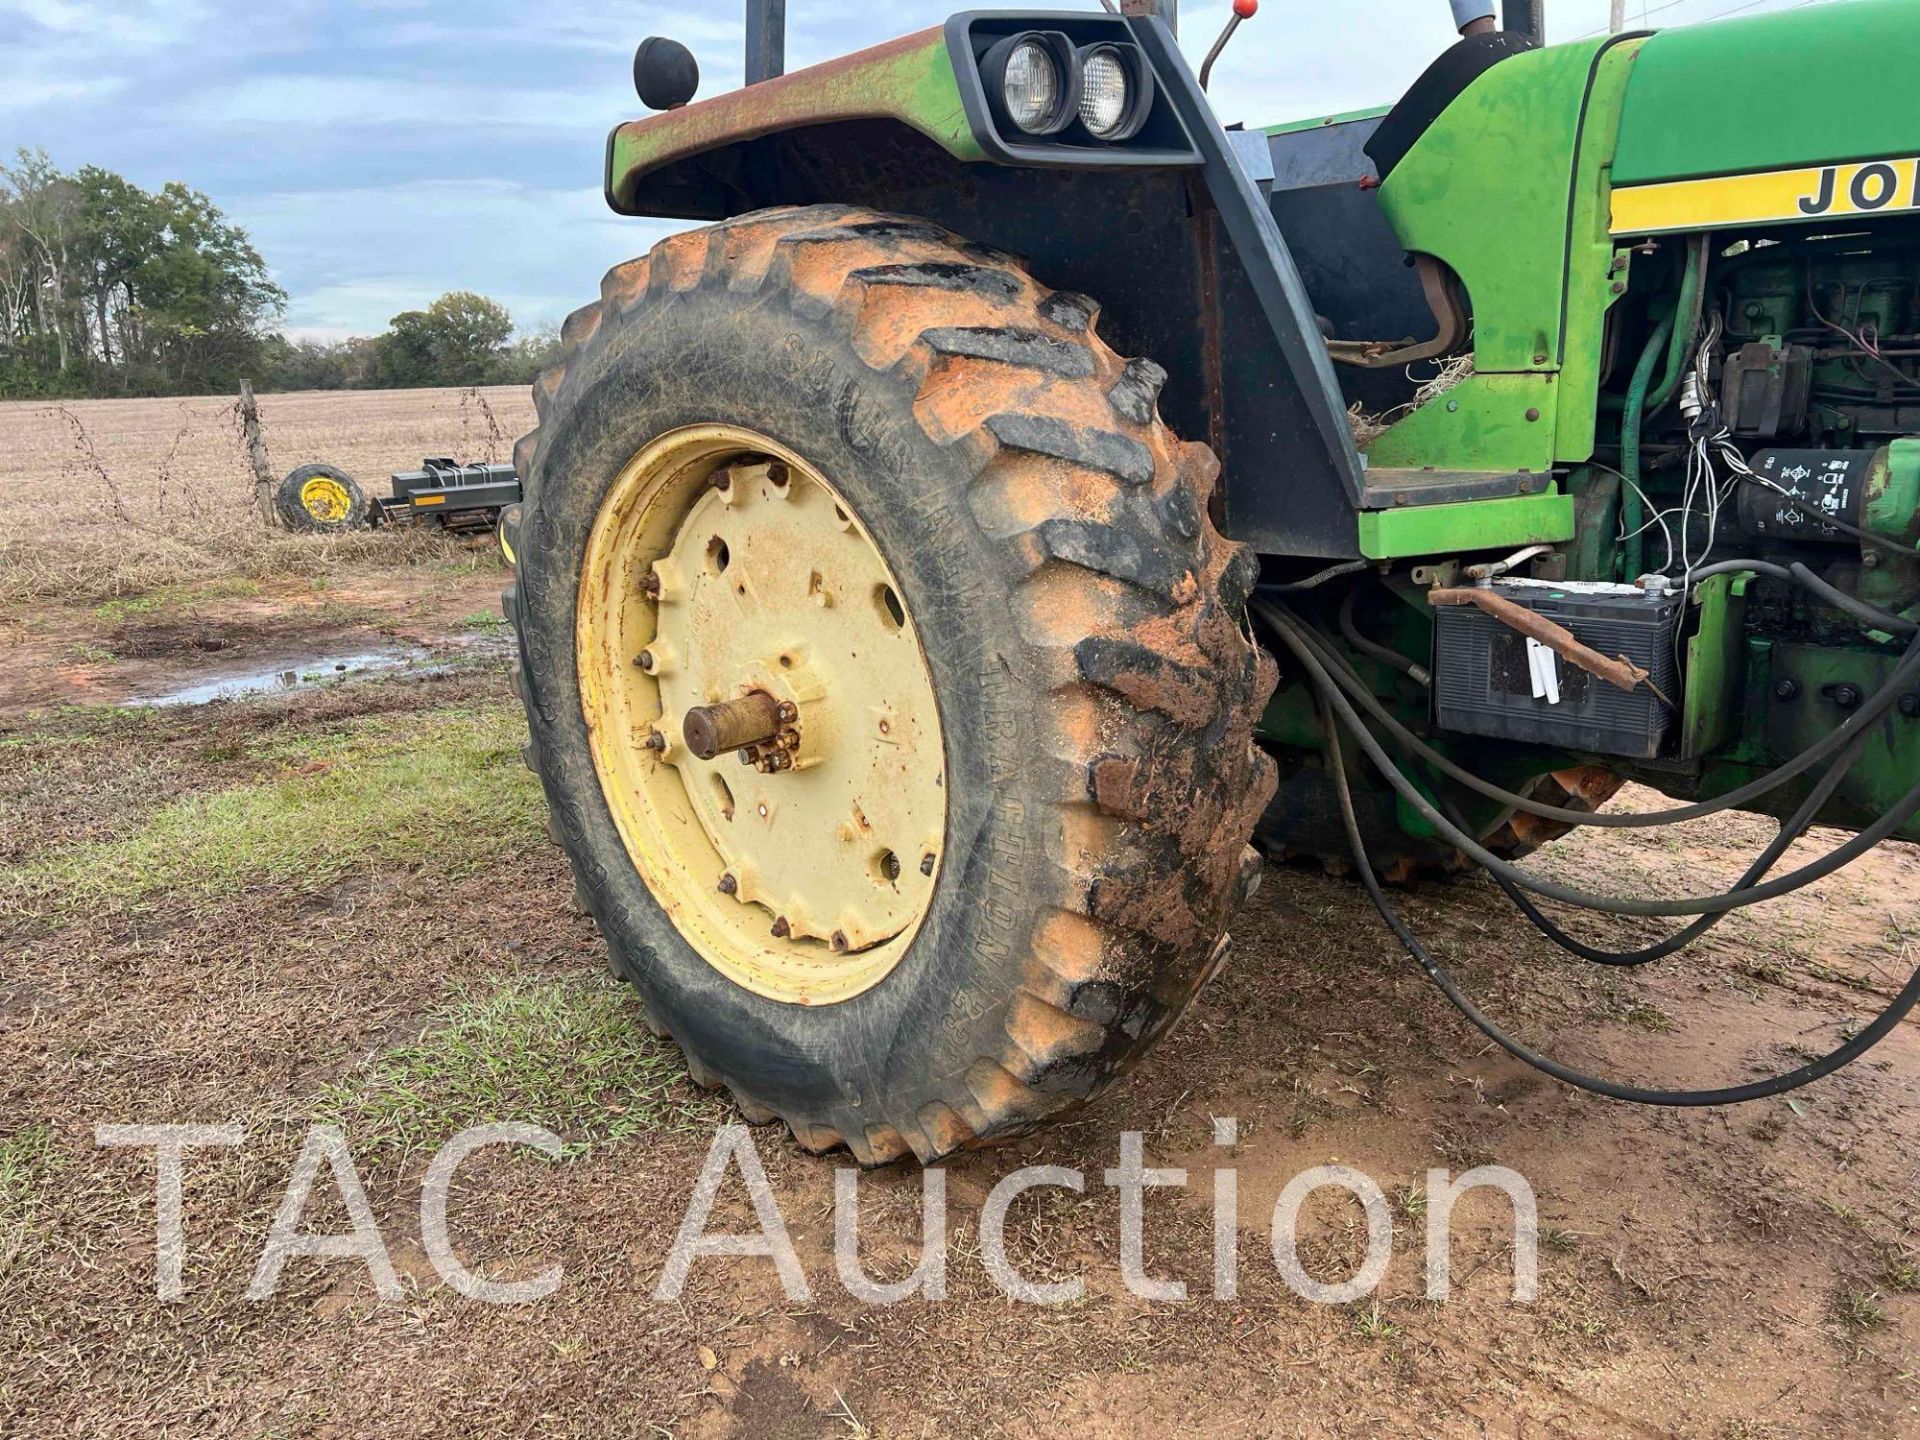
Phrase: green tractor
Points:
(1024, 501)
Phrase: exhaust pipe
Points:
(1473, 17)
(1527, 19)
(766, 40)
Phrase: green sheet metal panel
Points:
(1798, 87)
(910, 79)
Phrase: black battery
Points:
(1489, 679)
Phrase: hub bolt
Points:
(645, 661)
(839, 942)
(1910, 706)
(926, 864)
(1845, 696)
(781, 929)
(729, 885)
(655, 740)
(650, 584)
(788, 712)
(1786, 690)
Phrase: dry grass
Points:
(107, 498)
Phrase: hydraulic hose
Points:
(1790, 831)
(1903, 810)
(1418, 673)
(1856, 724)
(1674, 336)
(1872, 616)
(1686, 323)
(1883, 1025)
(1632, 513)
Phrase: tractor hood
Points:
(1788, 116)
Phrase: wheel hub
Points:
(763, 719)
(325, 499)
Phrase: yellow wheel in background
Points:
(321, 499)
(325, 499)
(724, 568)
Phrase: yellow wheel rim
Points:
(325, 499)
(722, 567)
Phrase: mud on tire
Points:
(1083, 626)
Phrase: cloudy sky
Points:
(383, 152)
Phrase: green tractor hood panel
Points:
(1810, 86)
(910, 80)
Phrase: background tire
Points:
(322, 500)
(1302, 823)
(1081, 618)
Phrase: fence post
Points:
(263, 485)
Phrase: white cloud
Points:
(22, 93)
(369, 253)
(365, 102)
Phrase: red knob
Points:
(1245, 8)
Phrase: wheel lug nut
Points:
(839, 942)
(788, 712)
(781, 929)
(650, 584)
(644, 660)
(729, 885)
(926, 864)
(655, 740)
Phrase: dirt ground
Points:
(336, 902)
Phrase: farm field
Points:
(335, 902)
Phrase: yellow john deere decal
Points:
(1871, 187)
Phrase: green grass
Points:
(1860, 1310)
(1902, 1271)
(27, 1162)
(177, 597)
(448, 791)
(484, 622)
(571, 1055)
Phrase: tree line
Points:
(109, 289)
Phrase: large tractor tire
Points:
(860, 504)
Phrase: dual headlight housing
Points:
(1041, 84)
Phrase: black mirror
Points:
(664, 73)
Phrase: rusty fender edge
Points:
(910, 80)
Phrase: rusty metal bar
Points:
(1620, 672)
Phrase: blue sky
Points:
(381, 153)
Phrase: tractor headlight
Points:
(1033, 80)
(1115, 91)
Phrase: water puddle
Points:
(284, 677)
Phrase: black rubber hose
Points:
(1872, 616)
(1791, 831)
(1414, 671)
(1901, 1006)
(1856, 723)
(1838, 858)
(1321, 577)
